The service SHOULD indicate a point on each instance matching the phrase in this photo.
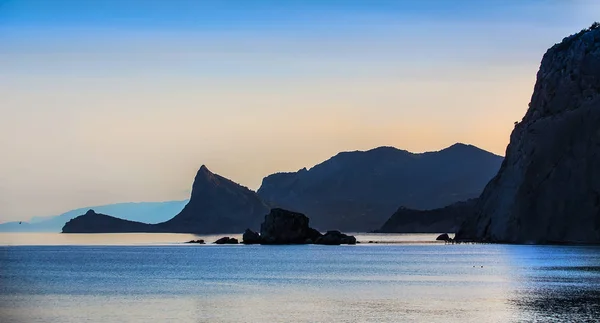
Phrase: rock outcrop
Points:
(335, 238)
(199, 241)
(548, 187)
(250, 237)
(287, 227)
(446, 219)
(226, 240)
(443, 237)
(92, 222)
(358, 191)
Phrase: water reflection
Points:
(559, 305)
(366, 283)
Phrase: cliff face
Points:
(357, 191)
(446, 219)
(217, 205)
(548, 187)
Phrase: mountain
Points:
(548, 188)
(217, 205)
(446, 219)
(147, 212)
(92, 222)
(358, 191)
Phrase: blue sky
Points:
(115, 101)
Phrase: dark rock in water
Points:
(548, 187)
(358, 191)
(251, 237)
(335, 238)
(227, 240)
(443, 237)
(446, 219)
(200, 241)
(286, 227)
(92, 222)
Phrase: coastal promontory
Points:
(548, 187)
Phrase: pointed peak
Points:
(204, 175)
(90, 212)
(460, 146)
(204, 171)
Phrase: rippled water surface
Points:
(153, 278)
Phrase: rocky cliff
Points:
(358, 191)
(548, 187)
(217, 205)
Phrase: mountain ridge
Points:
(358, 190)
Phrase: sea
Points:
(52, 277)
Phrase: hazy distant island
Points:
(148, 212)
(352, 191)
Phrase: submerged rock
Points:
(227, 240)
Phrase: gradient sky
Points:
(112, 101)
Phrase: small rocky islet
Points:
(283, 227)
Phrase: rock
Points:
(446, 219)
(251, 237)
(286, 227)
(335, 238)
(548, 187)
(443, 237)
(200, 241)
(227, 240)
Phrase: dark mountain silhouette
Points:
(358, 191)
(217, 205)
(548, 188)
(92, 222)
(147, 212)
(446, 219)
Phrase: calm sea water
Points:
(154, 278)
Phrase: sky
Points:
(107, 101)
